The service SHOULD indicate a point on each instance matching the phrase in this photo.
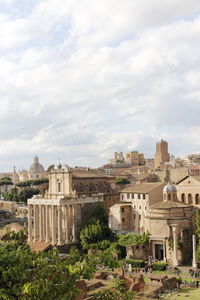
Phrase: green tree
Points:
(36, 276)
(6, 178)
(27, 193)
(133, 239)
(12, 195)
(121, 181)
(32, 182)
(4, 183)
(99, 214)
(20, 196)
(94, 233)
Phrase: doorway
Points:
(159, 254)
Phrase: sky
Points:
(80, 79)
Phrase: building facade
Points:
(135, 158)
(58, 217)
(134, 205)
(157, 210)
(188, 190)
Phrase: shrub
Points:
(135, 263)
(133, 239)
(94, 233)
(121, 181)
(159, 266)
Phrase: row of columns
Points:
(52, 223)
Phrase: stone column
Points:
(164, 250)
(175, 261)
(30, 223)
(59, 226)
(35, 223)
(47, 224)
(194, 259)
(73, 223)
(41, 223)
(54, 240)
(67, 224)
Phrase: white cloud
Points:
(81, 79)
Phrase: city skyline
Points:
(82, 79)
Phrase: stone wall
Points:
(8, 206)
(140, 251)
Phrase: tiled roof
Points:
(88, 173)
(168, 204)
(143, 187)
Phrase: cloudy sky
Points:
(80, 79)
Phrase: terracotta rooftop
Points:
(168, 204)
(143, 187)
(88, 173)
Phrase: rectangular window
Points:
(138, 196)
(132, 196)
(144, 196)
(59, 187)
(139, 217)
(122, 209)
(140, 207)
(134, 216)
(122, 220)
(128, 195)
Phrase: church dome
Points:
(169, 188)
(36, 167)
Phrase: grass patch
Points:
(185, 293)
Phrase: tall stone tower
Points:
(161, 156)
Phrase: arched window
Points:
(189, 198)
(164, 196)
(169, 196)
(197, 199)
(183, 198)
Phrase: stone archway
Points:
(197, 199)
(183, 198)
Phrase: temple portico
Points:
(56, 221)
(58, 217)
(52, 222)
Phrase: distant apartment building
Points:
(193, 159)
(135, 158)
(161, 156)
(194, 170)
(120, 165)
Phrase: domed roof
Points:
(36, 167)
(169, 188)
